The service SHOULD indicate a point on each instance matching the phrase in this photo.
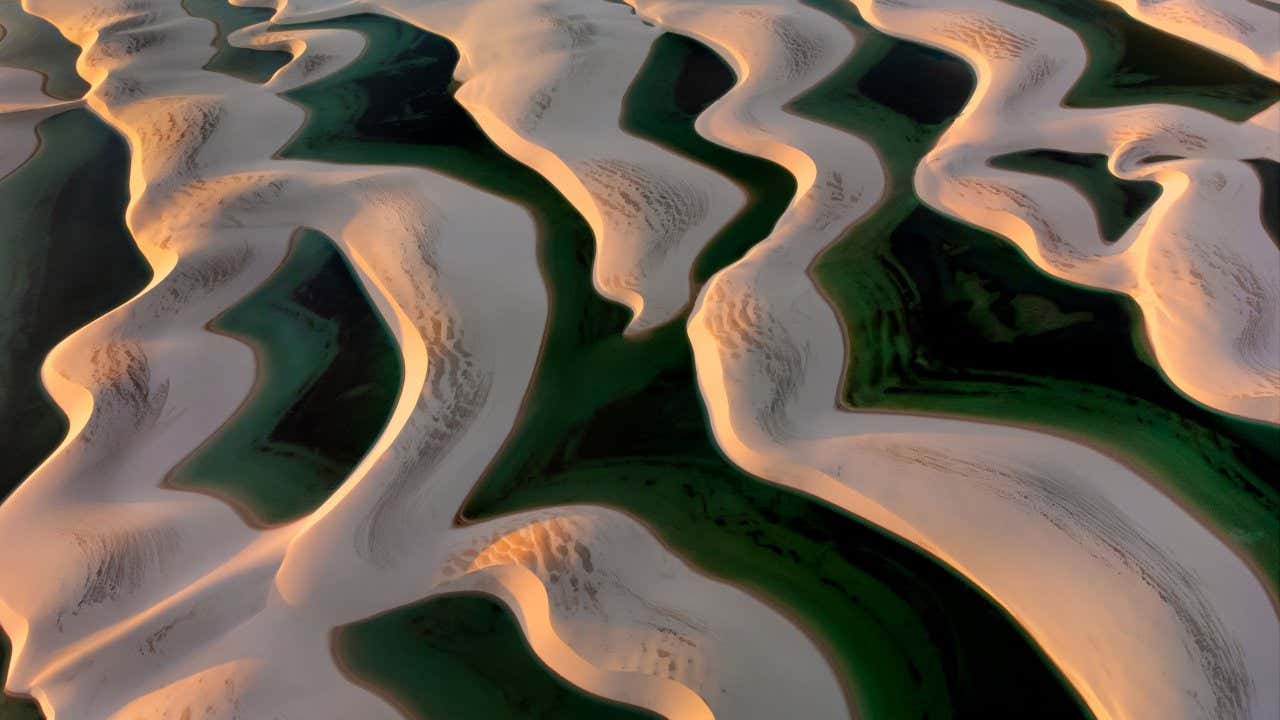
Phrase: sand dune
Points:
(177, 591)
(22, 107)
(128, 599)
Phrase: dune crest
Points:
(125, 598)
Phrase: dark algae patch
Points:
(329, 374)
(256, 66)
(1116, 203)
(463, 656)
(619, 422)
(66, 258)
(1131, 63)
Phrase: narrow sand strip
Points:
(23, 106)
(546, 82)
(1199, 263)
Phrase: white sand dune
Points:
(1145, 611)
(128, 599)
(22, 107)
(1199, 263)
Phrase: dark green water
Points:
(1269, 174)
(46, 253)
(11, 707)
(680, 79)
(942, 318)
(328, 378)
(464, 656)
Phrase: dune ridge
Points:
(182, 605)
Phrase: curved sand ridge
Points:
(128, 599)
(545, 81)
(1199, 263)
(1145, 611)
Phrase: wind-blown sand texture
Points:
(127, 597)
